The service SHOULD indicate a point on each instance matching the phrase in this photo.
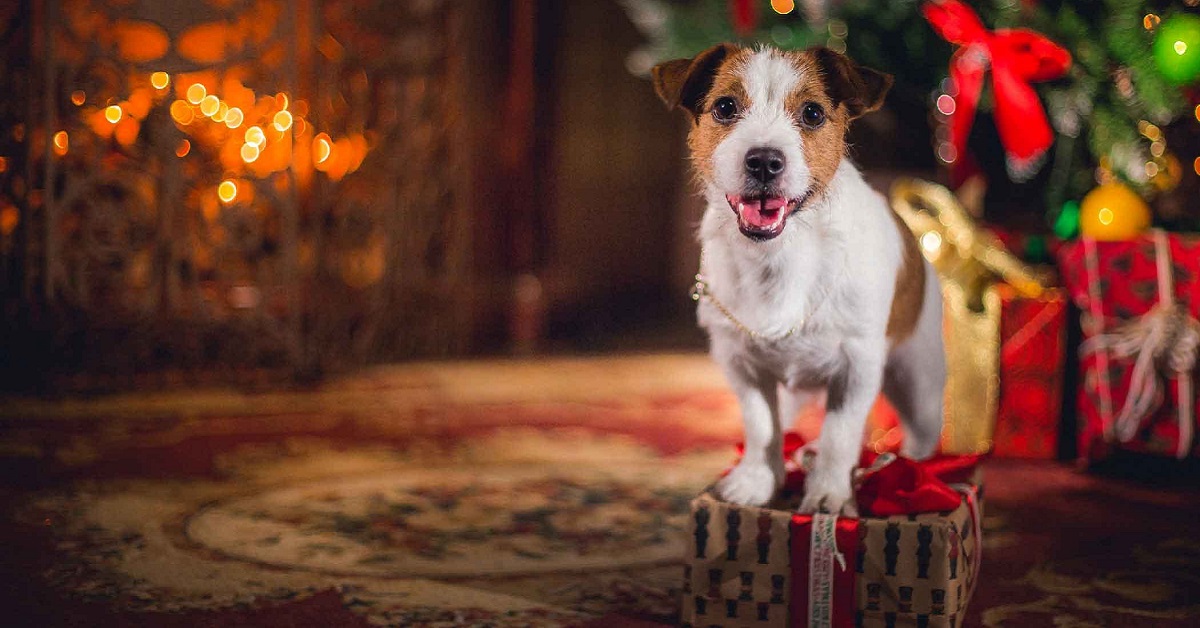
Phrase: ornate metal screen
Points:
(256, 183)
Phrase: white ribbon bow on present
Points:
(1165, 338)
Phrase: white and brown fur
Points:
(843, 263)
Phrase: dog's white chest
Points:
(807, 357)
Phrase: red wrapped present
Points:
(912, 559)
(1032, 359)
(1139, 303)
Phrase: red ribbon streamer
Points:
(1017, 58)
(843, 602)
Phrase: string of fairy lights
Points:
(254, 135)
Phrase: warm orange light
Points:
(1196, 165)
(282, 99)
(227, 191)
(112, 113)
(255, 135)
(1198, 113)
(183, 149)
(249, 153)
(283, 121)
(233, 118)
(322, 148)
(78, 97)
(127, 130)
(196, 93)
(160, 80)
(9, 218)
(222, 111)
(783, 7)
(182, 113)
(210, 105)
(61, 142)
(1151, 21)
(3, 164)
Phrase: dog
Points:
(809, 282)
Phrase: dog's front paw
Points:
(833, 498)
(748, 485)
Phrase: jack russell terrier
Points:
(808, 280)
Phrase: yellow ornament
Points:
(1113, 212)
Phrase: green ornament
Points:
(1177, 49)
(1066, 226)
(1037, 250)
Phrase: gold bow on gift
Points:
(955, 245)
(969, 262)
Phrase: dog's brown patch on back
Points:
(910, 286)
(708, 133)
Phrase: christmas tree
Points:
(1117, 82)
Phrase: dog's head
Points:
(769, 126)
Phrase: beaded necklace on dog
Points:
(700, 290)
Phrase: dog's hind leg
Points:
(915, 377)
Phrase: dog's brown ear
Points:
(685, 82)
(860, 89)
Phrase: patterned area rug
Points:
(526, 494)
(549, 526)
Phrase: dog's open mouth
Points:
(763, 217)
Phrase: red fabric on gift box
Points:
(1032, 359)
(841, 609)
(888, 486)
(1127, 289)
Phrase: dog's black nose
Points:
(765, 164)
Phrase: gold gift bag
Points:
(969, 262)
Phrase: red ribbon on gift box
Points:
(887, 485)
(1017, 58)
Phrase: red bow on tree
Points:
(1017, 57)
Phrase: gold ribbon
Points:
(969, 262)
(959, 249)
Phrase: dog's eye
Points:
(724, 109)
(812, 115)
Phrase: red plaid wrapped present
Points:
(1139, 302)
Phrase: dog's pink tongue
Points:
(761, 214)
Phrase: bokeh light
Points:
(181, 112)
(160, 80)
(255, 136)
(227, 191)
(234, 117)
(283, 121)
(322, 148)
(196, 93)
(249, 152)
(210, 105)
(112, 113)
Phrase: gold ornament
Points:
(1113, 212)
(970, 263)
